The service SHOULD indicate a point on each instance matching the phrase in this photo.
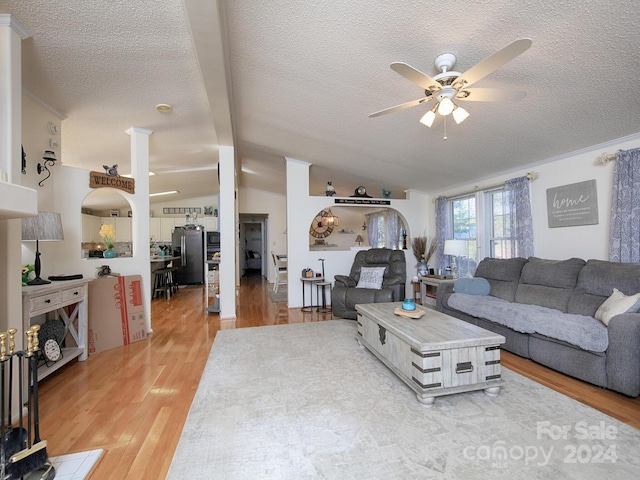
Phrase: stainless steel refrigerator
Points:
(188, 244)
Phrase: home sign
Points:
(574, 204)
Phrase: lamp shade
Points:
(47, 226)
(359, 239)
(457, 248)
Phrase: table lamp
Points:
(359, 239)
(455, 248)
(46, 227)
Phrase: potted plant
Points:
(108, 235)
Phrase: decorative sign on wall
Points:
(362, 201)
(100, 180)
(571, 205)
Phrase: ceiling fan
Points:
(448, 87)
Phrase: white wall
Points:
(301, 208)
(588, 241)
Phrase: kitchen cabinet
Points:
(166, 229)
(154, 230)
(210, 224)
(123, 229)
(91, 228)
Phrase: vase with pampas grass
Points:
(423, 249)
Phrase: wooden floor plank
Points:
(132, 401)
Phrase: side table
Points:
(309, 281)
(429, 286)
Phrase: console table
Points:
(53, 297)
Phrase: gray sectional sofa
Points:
(545, 309)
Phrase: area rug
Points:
(281, 296)
(305, 401)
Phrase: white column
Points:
(140, 212)
(228, 236)
(11, 36)
(298, 219)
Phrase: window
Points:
(500, 224)
(483, 220)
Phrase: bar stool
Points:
(322, 285)
(163, 282)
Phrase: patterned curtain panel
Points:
(442, 226)
(394, 230)
(373, 231)
(624, 230)
(521, 223)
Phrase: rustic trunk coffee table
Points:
(436, 354)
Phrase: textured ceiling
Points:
(303, 77)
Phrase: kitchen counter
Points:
(161, 262)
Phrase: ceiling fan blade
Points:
(489, 95)
(402, 106)
(492, 63)
(416, 76)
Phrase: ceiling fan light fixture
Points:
(446, 106)
(428, 118)
(460, 115)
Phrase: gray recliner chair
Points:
(345, 295)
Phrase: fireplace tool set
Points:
(23, 454)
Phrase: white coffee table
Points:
(435, 355)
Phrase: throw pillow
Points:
(472, 286)
(616, 304)
(371, 277)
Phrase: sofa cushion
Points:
(616, 304)
(472, 286)
(548, 283)
(596, 282)
(371, 277)
(502, 274)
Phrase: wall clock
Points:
(320, 228)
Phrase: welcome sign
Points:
(100, 180)
(572, 205)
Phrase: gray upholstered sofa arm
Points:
(444, 291)
(345, 281)
(623, 354)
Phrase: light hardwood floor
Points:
(133, 401)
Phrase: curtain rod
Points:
(607, 157)
(530, 175)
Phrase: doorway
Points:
(253, 242)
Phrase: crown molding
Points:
(8, 20)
